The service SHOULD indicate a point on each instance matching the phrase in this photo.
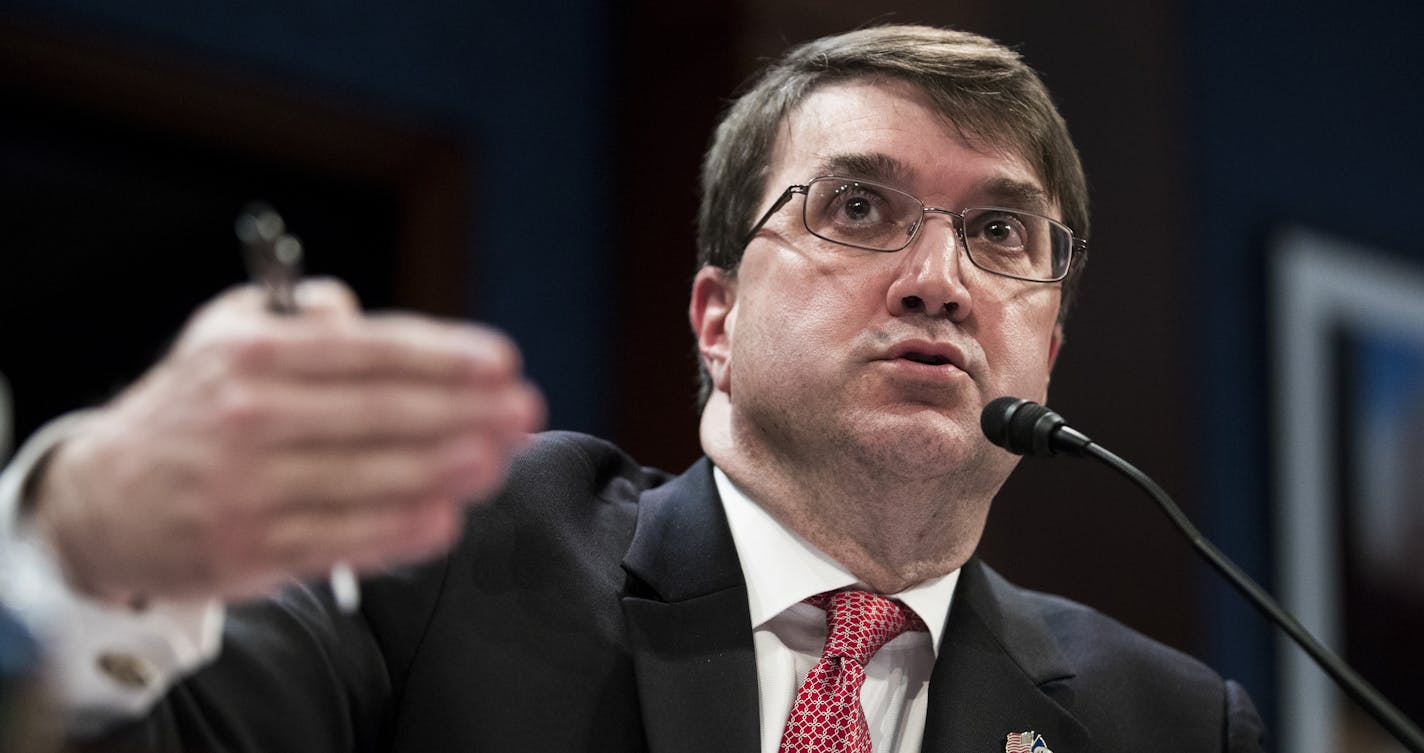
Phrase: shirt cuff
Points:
(103, 663)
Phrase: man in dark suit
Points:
(890, 230)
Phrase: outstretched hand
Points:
(265, 447)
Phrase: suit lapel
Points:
(998, 672)
(688, 624)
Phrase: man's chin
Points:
(925, 444)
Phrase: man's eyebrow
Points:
(874, 166)
(1015, 194)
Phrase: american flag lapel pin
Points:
(1026, 742)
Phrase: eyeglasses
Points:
(876, 217)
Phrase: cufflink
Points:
(126, 670)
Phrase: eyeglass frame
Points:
(1076, 245)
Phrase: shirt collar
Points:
(781, 568)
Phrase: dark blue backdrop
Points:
(1306, 113)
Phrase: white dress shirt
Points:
(781, 570)
(102, 663)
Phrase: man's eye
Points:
(857, 209)
(857, 214)
(1003, 231)
(999, 232)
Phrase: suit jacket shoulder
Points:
(1024, 660)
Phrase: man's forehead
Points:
(890, 131)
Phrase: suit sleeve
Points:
(294, 674)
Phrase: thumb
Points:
(327, 297)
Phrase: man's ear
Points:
(713, 315)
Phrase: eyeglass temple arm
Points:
(775, 207)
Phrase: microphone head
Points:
(1020, 426)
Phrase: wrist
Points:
(53, 508)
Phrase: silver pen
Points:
(274, 261)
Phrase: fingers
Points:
(379, 536)
(250, 558)
(330, 338)
(338, 346)
(326, 297)
(389, 380)
(377, 346)
(350, 479)
(369, 508)
(375, 412)
(321, 297)
(264, 446)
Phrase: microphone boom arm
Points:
(1350, 681)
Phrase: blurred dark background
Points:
(533, 165)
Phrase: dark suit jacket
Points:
(600, 606)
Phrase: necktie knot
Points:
(859, 623)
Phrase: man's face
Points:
(830, 352)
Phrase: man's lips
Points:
(927, 353)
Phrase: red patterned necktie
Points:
(827, 716)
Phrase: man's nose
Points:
(928, 280)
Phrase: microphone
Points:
(1027, 428)
(1024, 427)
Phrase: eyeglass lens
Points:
(880, 218)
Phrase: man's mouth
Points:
(927, 353)
(925, 358)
